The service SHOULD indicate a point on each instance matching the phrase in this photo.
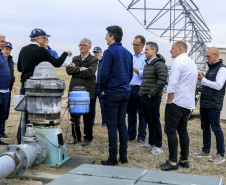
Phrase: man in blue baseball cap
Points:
(97, 52)
(33, 54)
(7, 51)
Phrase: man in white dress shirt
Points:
(180, 99)
(211, 102)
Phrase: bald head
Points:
(212, 55)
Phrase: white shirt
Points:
(182, 81)
(35, 43)
(96, 73)
(220, 80)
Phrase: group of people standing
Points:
(126, 83)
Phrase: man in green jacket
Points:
(82, 69)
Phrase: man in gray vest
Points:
(211, 102)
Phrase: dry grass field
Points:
(138, 158)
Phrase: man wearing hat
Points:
(4, 86)
(7, 51)
(33, 54)
(97, 52)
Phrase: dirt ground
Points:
(138, 158)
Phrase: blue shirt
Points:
(96, 73)
(149, 61)
(52, 52)
(138, 62)
(116, 69)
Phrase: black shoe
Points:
(110, 162)
(123, 160)
(139, 141)
(3, 143)
(86, 142)
(73, 142)
(5, 136)
(167, 166)
(184, 164)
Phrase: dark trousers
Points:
(8, 106)
(151, 108)
(19, 136)
(100, 97)
(134, 106)
(210, 118)
(176, 119)
(3, 111)
(115, 114)
(88, 126)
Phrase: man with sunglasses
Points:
(30, 56)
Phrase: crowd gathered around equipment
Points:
(129, 84)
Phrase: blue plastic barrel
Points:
(79, 102)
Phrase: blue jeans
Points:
(100, 97)
(211, 118)
(22, 92)
(115, 114)
(151, 108)
(3, 110)
(134, 106)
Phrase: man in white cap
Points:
(33, 54)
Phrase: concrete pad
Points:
(47, 176)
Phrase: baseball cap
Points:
(38, 33)
(8, 44)
(98, 49)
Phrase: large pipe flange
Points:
(19, 157)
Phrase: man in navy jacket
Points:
(115, 75)
(4, 86)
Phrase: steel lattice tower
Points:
(174, 20)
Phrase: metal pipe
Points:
(31, 153)
(7, 165)
(15, 159)
(23, 124)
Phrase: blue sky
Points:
(69, 21)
